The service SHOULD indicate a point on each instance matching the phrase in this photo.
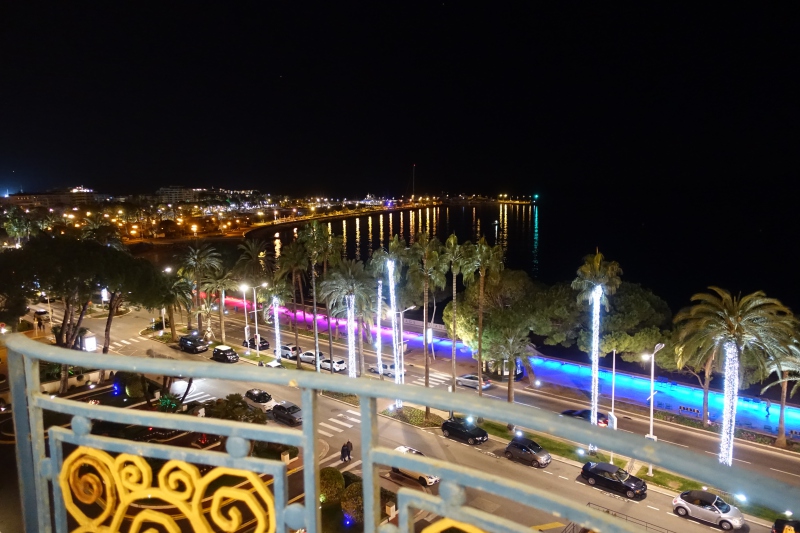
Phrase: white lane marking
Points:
(324, 433)
(134, 340)
(546, 472)
(340, 423)
(350, 418)
(735, 459)
(118, 345)
(672, 514)
(351, 466)
(625, 430)
(675, 443)
(562, 477)
(331, 456)
(784, 472)
(125, 342)
(651, 507)
(323, 424)
(353, 412)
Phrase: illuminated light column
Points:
(351, 335)
(276, 320)
(597, 292)
(393, 306)
(729, 404)
(244, 288)
(378, 324)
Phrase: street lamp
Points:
(243, 287)
(652, 358)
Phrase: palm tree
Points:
(100, 229)
(18, 225)
(254, 265)
(512, 345)
(486, 261)
(294, 262)
(274, 294)
(218, 282)
(696, 359)
(429, 267)
(753, 322)
(397, 255)
(458, 256)
(177, 293)
(314, 238)
(787, 367)
(198, 263)
(596, 278)
(350, 285)
(330, 254)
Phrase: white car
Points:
(260, 400)
(287, 350)
(471, 380)
(338, 365)
(308, 357)
(388, 370)
(423, 479)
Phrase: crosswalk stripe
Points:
(324, 433)
(353, 412)
(323, 424)
(135, 340)
(126, 342)
(331, 456)
(118, 345)
(340, 423)
(351, 466)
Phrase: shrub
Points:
(273, 450)
(169, 403)
(331, 486)
(353, 503)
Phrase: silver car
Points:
(308, 357)
(471, 380)
(424, 479)
(708, 507)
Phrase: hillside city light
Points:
(393, 306)
(729, 404)
(277, 327)
(597, 292)
(378, 327)
(351, 335)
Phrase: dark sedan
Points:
(586, 414)
(464, 429)
(614, 478)
(288, 413)
(263, 345)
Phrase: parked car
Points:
(424, 479)
(263, 343)
(308, 357)
(288, 350)
(471, 380)
(707, 507)
(259, 399)
(192, 343)
(43, 314)
(586, 414)
(388, 370)
(224, 354)
(288, 413)
(781, 525)
(338, 365)
(527, 451)
(614, 478)
(465, 429)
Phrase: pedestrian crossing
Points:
(435, 379)
(343, 420)
(199, 396)
(337, 458)
(58, 318)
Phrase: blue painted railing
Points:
(39, 471)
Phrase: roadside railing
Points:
(76, 481)
(641, 523)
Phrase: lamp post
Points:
(652, 358)
(255, 321)
(244, 288)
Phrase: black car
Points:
(614, 478)
(465, 429)
(288, 413)
(262, 345)
(192, 343)
(586, 414)
(224, 354)
(784, 525)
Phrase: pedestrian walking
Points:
(769, 403)
(345, 452)
(349, 449)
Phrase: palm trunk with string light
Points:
(480, 332)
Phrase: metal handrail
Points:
(647, 525)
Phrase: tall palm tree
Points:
(350, 285)
(217, 282)
(330, 254)
(397, 255)
(753, 322)
(486, 261)
(293, 262)
(787, 367)
(274, 295)
(512, 345)
(253, 265)
(429, 267)
(458, 256)
(100, 229)
(699, 358)
(196, 264)
(177, 293)
(596, 278)
(314, 238)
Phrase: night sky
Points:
(675, 125)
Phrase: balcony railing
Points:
(84, 472)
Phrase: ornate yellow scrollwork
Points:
(447, 523)
(89, 476)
